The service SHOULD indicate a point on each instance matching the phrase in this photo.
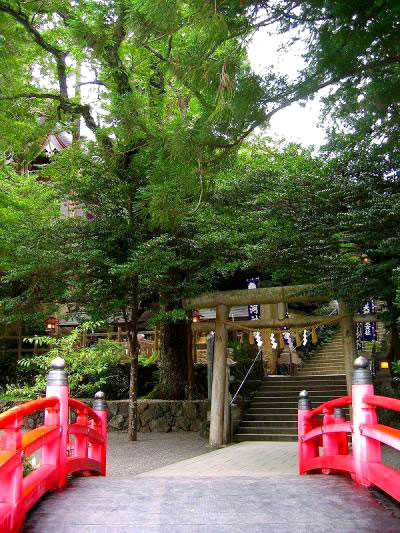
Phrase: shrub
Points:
(89, 369)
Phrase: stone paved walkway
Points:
(150, 451)
(251, 459)
(250, 487)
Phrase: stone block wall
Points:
(159, 415)
(153, 415)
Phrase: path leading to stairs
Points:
(244, 459)
(251, 486)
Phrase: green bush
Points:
(242, 352)
(325, 334)
(89, 369)
(396, 371)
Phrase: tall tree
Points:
(174, 97)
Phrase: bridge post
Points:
(57, 385)
(219, 377)
(330, 441)
(51, 450)
(365, 450)
(349, 343)
(307, 450)
(11, 482)
(99, 451)
(339, 418)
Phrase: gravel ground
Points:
(154, 450)
(150, 451)
(390, 457)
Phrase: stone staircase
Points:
(272, 414)
(327, 360)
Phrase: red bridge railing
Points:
(78, 448)
(331, 432)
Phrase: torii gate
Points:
(222, 301)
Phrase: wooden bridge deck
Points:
(229, 490)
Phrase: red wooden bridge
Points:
(78, 448)
(285, 504)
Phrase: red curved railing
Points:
(365, 463)
(86, 431)
(78, 448)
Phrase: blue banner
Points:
(285, 328)
(253, 310)
(366, 331)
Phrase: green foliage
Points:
(148, 361)
(27, 466)
(241, 352)
(396, 371)
(89, 369)
(27, 211)
(325, 334)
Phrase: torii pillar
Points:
(270, 355)
(349, 343)
(219, 377)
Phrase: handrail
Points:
(86, 454)
(382, 401)
(246, 376)
(25, 409)
(385, 434)
(344, 401)
(31, 442)
(365, 464)
(328, 428)
(83, 408)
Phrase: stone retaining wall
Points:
(153, 415)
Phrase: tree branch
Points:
(58, 54)
(196, 93)
(32, 95)
(95, 82)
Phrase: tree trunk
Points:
(132, 406)
(133, 346)
(173, 361)
(394, 338)
(190, 365)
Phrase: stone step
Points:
(265, 437)
(294, 393)
(321, 368)
(298, 378)
(275, 415)
(327, 368)
(270, 430)
(268, 423)
(327, 357)
(293, 387)
(330, 349)
(291, 401)
(333, 351)
(265, 411)
(309, 373)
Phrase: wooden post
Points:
(281, 310)
(189, 355)
(227, 410)
(219, 377)
(19, 355)
(210, 363)
(349, 344)
(269, 311)
(157, 340)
